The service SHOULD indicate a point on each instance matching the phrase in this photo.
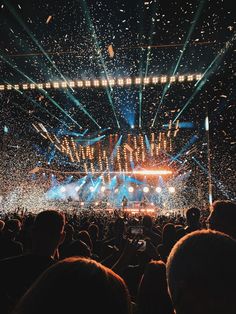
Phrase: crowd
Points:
(98, 262)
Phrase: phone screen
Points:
(142, 245)
(137, 230)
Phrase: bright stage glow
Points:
(62, 189)
(77, 188)
(103, 188)
(82, 203)
(158, 189)
(131, 189)
(152, 172)
(146, 189)
(171, 189)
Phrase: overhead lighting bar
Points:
(127, 81)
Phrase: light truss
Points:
(96, 83)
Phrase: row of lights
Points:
(104, 83)
(146, 189)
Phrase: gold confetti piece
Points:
(111, 51)
(49, 19)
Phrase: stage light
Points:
(80, 83)
(87, 83)
(103, 188)
(96, 203)
(96, 83)
(146, 80)
(132, 126)
(104, 82)
(198, 77)
(72, 84)
(172, 79)
(181, 78)
(32, 86)
(56, 85)
(16, 86)
(190, 78)
(128, 81)
(48, 85)
(146, 189)
(131, 189)
(62, 189)
(138, 80)
(112, 82)
(158, 189)
(155, 80)
(171, 189)
(152, 172)
(63, 84)
(163, 79)
(9, 87)
(25, 86)
(92, 189)
(40, 86)
(120, 82)
(82, 203)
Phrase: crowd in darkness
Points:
(91, 262)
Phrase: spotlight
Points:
(131, 189)
(82, 203)
(103, 188)
(146, 80)
(9, 86)
(62, 189)
(91, 189)
(172, 79)
(32, 86)
(128, 81)
(104, 82)
(112, 82)
(80, 83)
(181, 78)
(48, 85)
(138, 80)
(96, 203)
(171, 189)
(25, 86)
(155, 80)
(120, 82)
(16, 86)
(190, 78)
(146, 189)
(198, 77)
(63, 84)
(40, 86)
(56, 85)
(163, 79)
(72, 84)
(87, 83)
(96, 83)
(158, 189)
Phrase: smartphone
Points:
(142, 245)
(136, 230)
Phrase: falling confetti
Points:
(49, 19)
